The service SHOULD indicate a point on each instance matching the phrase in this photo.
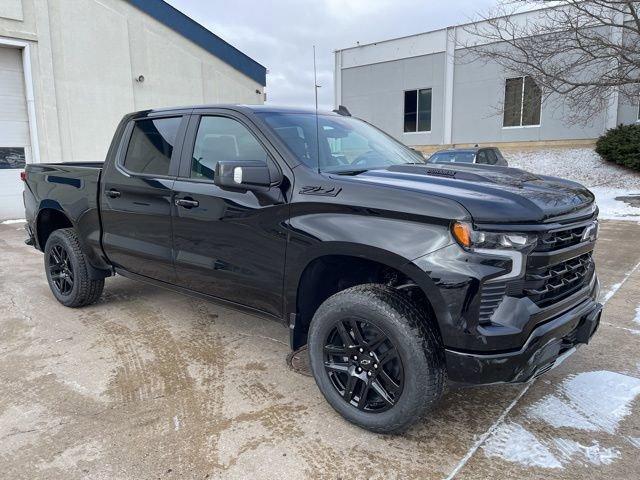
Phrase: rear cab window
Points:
(151, 146)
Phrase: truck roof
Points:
(237, 107)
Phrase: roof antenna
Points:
(315, 88)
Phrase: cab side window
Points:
(221, 139)
(482, 157)
(492, 157)
(151, 145)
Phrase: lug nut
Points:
(375, 365)
(368, 374)
(361, 350)
(359, 369)
(355, 357)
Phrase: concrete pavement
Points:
(152, 384)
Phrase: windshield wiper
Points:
(352, 171)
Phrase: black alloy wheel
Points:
(61, 270)
(70, 277)
(376, 357)
(363, 365)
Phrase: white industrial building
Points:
(70, 69)
(424, 90)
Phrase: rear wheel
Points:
(68, 270)
(375, 358)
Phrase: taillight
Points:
(23, 176)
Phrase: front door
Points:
(228, 243)
(136, 198)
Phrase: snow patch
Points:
(594, 454)
(559, 413)
(176, 423)
(617, 189)
(11, 222)
(617, 204)
(589, 401)
(635, 441)
(513, 443)
(582, 165)
(637, 317)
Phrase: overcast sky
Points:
(280, 34)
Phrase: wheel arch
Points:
(337, 266)
(50, 217)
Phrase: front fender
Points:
(393, 242)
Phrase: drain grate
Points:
(298, 361)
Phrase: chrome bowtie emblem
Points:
(365, 361)
(590, 232)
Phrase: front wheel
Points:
(68, 270)
(376, 358)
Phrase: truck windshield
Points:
(346, 144)
(452, 157)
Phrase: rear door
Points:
(228, 243)
(136, 196)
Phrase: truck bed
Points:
(72, 188)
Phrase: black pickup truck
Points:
(397, 275)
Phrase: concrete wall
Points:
(84, 58)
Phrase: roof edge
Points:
(187, 27)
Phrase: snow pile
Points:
(617, 189)
(11, 222)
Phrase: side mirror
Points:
(245, 174)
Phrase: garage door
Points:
(14, 123)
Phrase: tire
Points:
(417, 370)
(70, 284)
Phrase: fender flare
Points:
(294, 272)
(95, 273)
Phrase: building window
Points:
(522, 100)
(417, 110)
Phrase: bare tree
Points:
(586, 52)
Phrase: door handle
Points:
(113, 193)
(187, 202)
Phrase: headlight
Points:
(471, 239)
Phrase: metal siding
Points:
(478, 95)
(376, 94)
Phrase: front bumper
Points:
(545, 348)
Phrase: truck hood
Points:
(490, 194)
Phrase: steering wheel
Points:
(363, 159)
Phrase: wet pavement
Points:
(152, 384)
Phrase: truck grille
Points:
(558, 239)
(549, 284)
